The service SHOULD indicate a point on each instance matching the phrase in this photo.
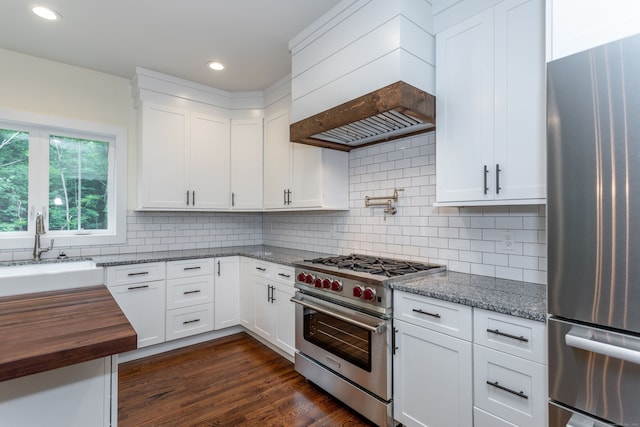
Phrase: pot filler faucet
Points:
(37, 250)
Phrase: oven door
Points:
(351, 343)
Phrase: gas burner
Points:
(373, 265)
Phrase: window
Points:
(75, 175)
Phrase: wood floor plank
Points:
(233, 381)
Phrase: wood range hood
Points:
(395, 111)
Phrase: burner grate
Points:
(373, 265)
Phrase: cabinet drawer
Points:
(514, 335)
(485, 419)
(183, 322)
(510, 387)
(189, 291)
(263, 269)
(135, 273)
(441, 316)
(283, 273)
(189, 268)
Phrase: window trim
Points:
(117, 137)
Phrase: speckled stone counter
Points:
(275, 254)
(522, 299)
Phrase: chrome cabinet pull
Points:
(186, 322)
(233, 199)
(508, 390)
(261, 269)
(192, 292)
(284, 275)
(288, 197)
(498, 170)
(504, 334)
(218, 268)
(193, 198)
(187, 197)
(140, 273)
(138, 287)
(192, 268)
(486, 172)
(394, 347)
(436, 315)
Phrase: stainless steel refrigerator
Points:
(593, 137)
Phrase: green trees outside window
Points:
(77, 179)
(14, 180)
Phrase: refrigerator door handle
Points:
(588, 344)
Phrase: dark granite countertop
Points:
(521, 299)
(275, 254)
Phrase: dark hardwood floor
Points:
(233, 381)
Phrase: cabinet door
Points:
(227, 292)
(246, 164)
(285, 318)
(464, 101)
(163, 170)
(209, 157)
(432, 378)
(264, 314)
(247, 307)
(306, 176)
(520, 114)
(277, 161)
(144, 306)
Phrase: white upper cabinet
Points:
(246, 164)
(577, 25)
(298, 176)
(183, 159)
(490, 95)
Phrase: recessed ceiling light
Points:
(46, 13)
(215, 66)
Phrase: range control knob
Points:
(326, 283)
(317, 282)
(308, 279)
(301, 276)
(358, 291)
(369, 294)
(336, 286)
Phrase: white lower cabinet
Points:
(432, 370)
(190, 288)
(432, 378)
(441, 378)
(273, 313)
(141, 299)
(509, 370)
(226, 292)
(247, 306)
(78, 395)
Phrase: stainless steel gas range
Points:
(344, 337)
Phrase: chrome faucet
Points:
(37, 250)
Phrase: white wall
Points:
(466, 239)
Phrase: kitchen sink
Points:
(45, 276)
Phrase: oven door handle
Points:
(377, 328)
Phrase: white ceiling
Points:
(175, 37)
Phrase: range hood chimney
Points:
(394, 111)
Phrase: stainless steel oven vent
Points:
(392, 112)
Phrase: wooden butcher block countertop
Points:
(49, 330)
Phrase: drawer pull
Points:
(192, 292)
(141, 273)
(504, 334)
(436, 315)
(508, 390)
(186, 322)
(261, 268)
(284, 275)
(138, 287)
(192, 268)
